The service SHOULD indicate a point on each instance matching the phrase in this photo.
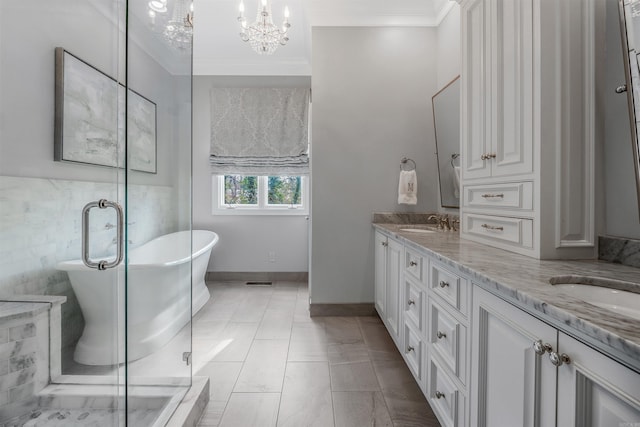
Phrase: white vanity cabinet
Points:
(414, 303)
(388, 259)
(447, 358)
(431, 306)
(515, 381)
(529, 124)
(512, 385)
(594, 390)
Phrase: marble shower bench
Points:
(30, 345)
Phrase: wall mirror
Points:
(446, 124)
(630, 31)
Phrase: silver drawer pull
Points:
(411, 302)
(491, 196)
(492, 227)
(443, 284)
(410, 349)
(439, 395)
(413, 263)
(488, 156)
(441, 335)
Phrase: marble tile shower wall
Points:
(41, 225)
(24, 356)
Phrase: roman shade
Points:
(260, 131)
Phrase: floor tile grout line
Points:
(286, 363)
(375, 371)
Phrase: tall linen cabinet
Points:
(530, 124)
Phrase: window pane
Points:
(240, 190)
(285, 190)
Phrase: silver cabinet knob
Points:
(410, 349)
(487, 156)
(541, 348)
(439, 394)
(443, 284)
(621, 89)
(385, 244)
(413, 263)
(411, 302)
(559, 359)
(441, 335)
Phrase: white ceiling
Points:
(218, 49)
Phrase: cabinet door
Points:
(380, 260)
(392, 309)
(594, 390)
(512, 385)
(511, 87)
(476, 104)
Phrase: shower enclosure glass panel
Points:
(95, 108)
(159, 183)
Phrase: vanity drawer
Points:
(413, 352)
(414, 263)
(514, 196)
(451, 287)
(444, 396)
(448, 338)
(414, 298)
(515, 231)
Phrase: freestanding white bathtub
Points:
(158, 297)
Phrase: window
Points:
(269, 195)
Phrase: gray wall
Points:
(245, 240)
(621, 203)
(372, 91)
(448, 47)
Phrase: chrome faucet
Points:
(445, 222)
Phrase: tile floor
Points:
(270, 364)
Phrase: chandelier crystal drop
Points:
(263, 35)
(176, 29)
(179, 29)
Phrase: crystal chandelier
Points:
(263, 35)
(178, 29)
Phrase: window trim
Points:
(220, 208)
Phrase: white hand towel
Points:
(456, 181)
(408, 188)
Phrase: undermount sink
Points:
(418, 230)
(614, 295)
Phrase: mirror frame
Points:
(635, 142)
(435, 131)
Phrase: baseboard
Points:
(364, 309)
(255, 276)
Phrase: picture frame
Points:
(89, 118)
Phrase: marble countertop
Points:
(524, 281)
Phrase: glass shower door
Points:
(62, 110)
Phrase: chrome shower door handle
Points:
(102, 204)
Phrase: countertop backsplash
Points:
(619, 250)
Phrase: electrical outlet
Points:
(272, 256)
